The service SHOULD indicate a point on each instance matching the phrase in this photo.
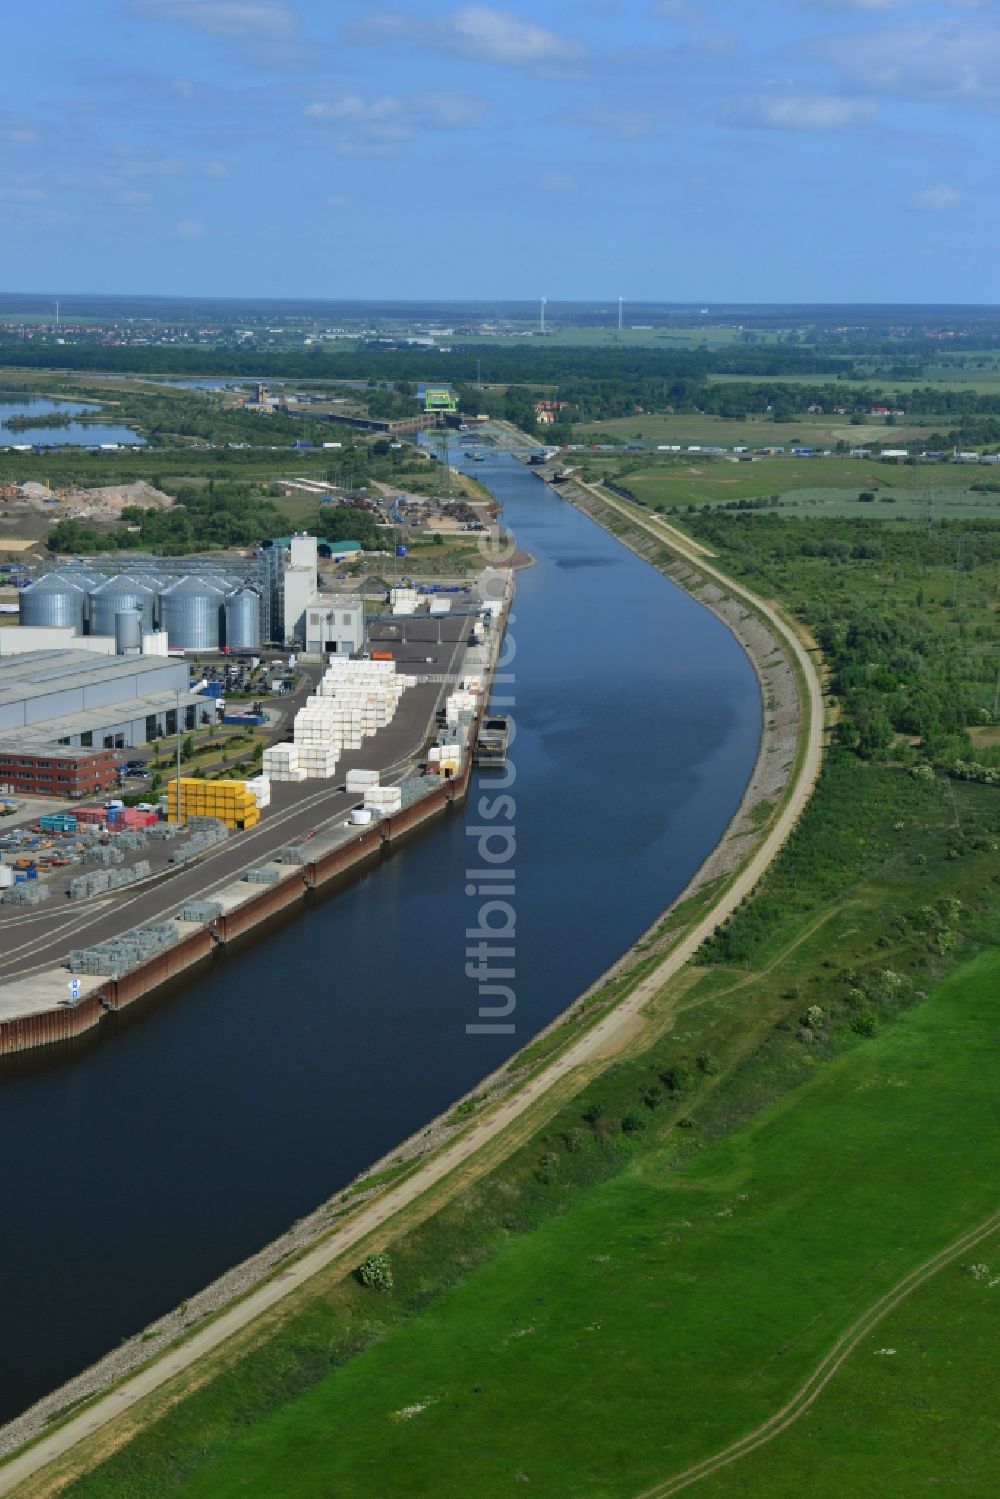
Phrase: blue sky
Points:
(815, 150)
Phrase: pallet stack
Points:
(227, 801)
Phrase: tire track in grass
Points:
(809, 1392)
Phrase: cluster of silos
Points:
(200, 610)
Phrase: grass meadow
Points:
(660, 1266)
(677, 1304)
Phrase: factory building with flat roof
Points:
(74, 698)
(54, 770)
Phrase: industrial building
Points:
(54, 770)
(300, 585)
(335, 627)
(75, 698)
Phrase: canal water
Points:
(74, 433)
(168, 1149)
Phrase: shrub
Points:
(865, 1022)
(375, 1272)
(677, 1078)
(633, 1124)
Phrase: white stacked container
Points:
(281, 763)
(259, 788)
(361, 780)
(317, 761)
(457, 703)
(384, 799)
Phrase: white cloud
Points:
(936, 199)
(340, 200)
(479, 32)
(255, 20)
(215, 169)
(381, 125)
(801, 112)
(21, 194)
(500, 36)
(352, 107)
(189, 229)
(133, 198)
(19, 135)
(925, 60)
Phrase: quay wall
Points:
(120, 993)
(24, 1032)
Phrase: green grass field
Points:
(755, 431)
(678, 1304)
(915, 1410)
(949, 376)
(830, 485)
(613, 1304)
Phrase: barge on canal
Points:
(493, 741)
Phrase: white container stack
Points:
(318, 761)
(354, 700)
(281, 763)
(361, 780)
(459, 702)
(361, 698)
(383, 800)
(317, 738)
(260, 789)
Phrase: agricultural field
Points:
(951, 376)
(754, 431)
(828, 485)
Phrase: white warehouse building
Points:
(335, 627)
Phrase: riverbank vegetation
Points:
(806, 1117)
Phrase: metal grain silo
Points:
(53, 600)
(191, 613)
(115, 595)
(243, 620)
(128, 633)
